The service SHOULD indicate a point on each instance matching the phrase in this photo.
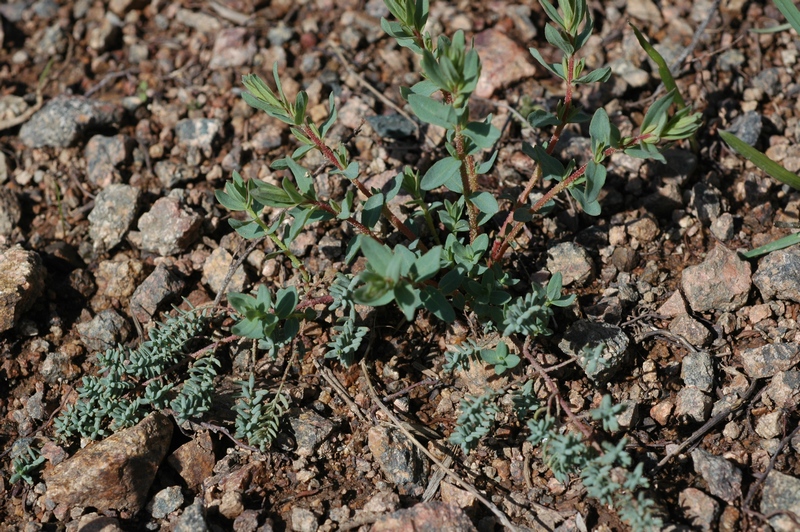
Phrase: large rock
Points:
(116, 473)
(778, 275)
(721, 282)
(62, 121)
(21, 282)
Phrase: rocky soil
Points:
(109, 159)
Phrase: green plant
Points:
(25, 465)
(452, 256)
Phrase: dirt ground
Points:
(144, 70)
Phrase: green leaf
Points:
(240, 302)
(556, 38)
(485, 202)
(775, 245)
(332, 115)
(248, 229)
(451, 281)
(300, 103)
(407, 298)
(600, 75)
(394, 188)
(229, 202)
(663, 68)
(762, 161)
(443, 171)
(600, 132)
(269, 194)
(433, 112)
(552, 12)
(554, 287)
(485, 166)
(554, 68)
(286, 302)
(541, 118)
(301, 175)
(372, 210)
(351, 172)
(378, 255)
(788, 9)
(657, 115)
(434, 301)
(483, 134)
(426, 266)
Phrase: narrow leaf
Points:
(762, 161)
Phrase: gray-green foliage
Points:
(25, 465)
(447, 256)
(257, 419)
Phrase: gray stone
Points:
(572, 261)
(784, 389)
(199, 21)
(723, 228)
(400, 461)
(722, 477)
(769, 81)
(585, 335)
(280, 34)
(160, 287)
(123, 467)
(392, 126)
(114, 211)
(697, 370)
(700, 509)
(22, 280)
(747, 127)
(769, 425)
(630, 73)
(168, 228)
(351, 38)
(172, 174)
(105, 330)
(778, 275)
(304, 520)
(107, 35)
(56, 367)
(721, 282)
(10, 211)
(45, 9)
(267, 138)
(165, 502)
(310, 430)
(731, 59)
(215, 269)
(192, 518)
(693, 403)
(781, 493)
(233, 47)
(62, 121)
(53, 42)
(103, 155)
(767, 360)
(198, 132)
(692, 330)
(707, 202)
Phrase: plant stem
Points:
(279, 243)
(361, 228)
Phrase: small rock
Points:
(707, 201)
(674, 306)
(457, 497)
(267, 138)
(197, 20)
(192, 518)
(22, 280)
(769, 425)
(723, 478)
(698, 370)
(104, 331)
(122, 7)
(723, 228)
(159, 288)
(784, 388)
(304, 520)
(700, 509)
(167, 228)
(692, 330)
(233, 47)
(629, 416)
(392, 126)
(165, 502)
(62, 121)
(587, 334)
(114, 211)
(53, 41)
(644, 229)
(247, 521)
(503, 62)
(172, 174)
(630, 73)
(693, 403)
(10, 211)
(432, 515)
(280, 34)
(382, 502)
(767, 360)
(106, 35)
(194, 460)
(198, 132)
(118, 278)
(781, 493)
(721, 282)
(103, 155)
(310, 430)
(215, 269)
(645, 10)
(573, 261)
(731, 59)
(122, 468)
(769, 81)
(778, 275)
(747, 127)
(401, 462)
(625, 259)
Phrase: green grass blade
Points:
(773, 29)
(781, 243)
(791, 13)
(663, 69)
(762, 161)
